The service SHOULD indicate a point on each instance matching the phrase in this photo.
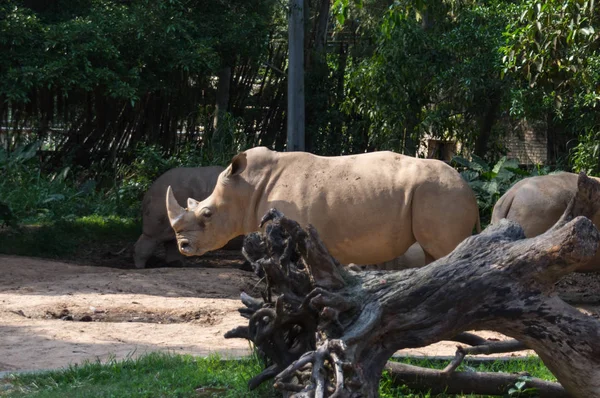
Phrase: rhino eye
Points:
(206, 213)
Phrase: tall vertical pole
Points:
(295, 116)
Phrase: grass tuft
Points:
(152, 375)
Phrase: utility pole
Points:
(295, 114)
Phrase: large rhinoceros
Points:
(197, 182)
(368, 208)
(536, 203)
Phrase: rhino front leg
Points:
(143, 249)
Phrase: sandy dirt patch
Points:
(53, 314)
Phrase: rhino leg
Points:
(143, 249)
(440, 225)
(414, 257)
(172, 252)
(428, 258)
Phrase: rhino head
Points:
(209, 224)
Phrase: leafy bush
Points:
(491, 182)
(29, 195)
(585, 156)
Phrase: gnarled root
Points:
(318, 373)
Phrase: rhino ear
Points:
(238, 164)
(192, 204)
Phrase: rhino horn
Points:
(174, 210)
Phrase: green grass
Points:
(168, 375)
(152, 375)
(64, 238)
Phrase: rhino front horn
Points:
(174, 210)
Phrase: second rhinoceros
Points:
(367, 208)
(536, 204)
(197, 182)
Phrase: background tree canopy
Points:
(99, 76)
(93, 79)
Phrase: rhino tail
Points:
(478, 225)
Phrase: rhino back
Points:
(360, 204)
(536, 203)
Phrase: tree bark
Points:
(487, 123)
(295, 110)
(438, 382)
(222, 101)
(343, 326)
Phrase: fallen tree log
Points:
(484, 383)
(339, 328)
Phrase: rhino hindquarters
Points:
(443, 218)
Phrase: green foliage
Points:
(96, 77)
(29, 195)
(551, 53)
(435, 71)
(553, 39)
(54, 214)
(340, 9)
(124, 49)
(34, 197)
(519, 389)
(103, 75)
(585, 156)
(491, 182)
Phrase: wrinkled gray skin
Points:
(196, 182)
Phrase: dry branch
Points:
(330, 332)
(485, 383)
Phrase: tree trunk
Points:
(343, 326)
(222, 102)
(438, 382)
(485, 132)
(295, 111)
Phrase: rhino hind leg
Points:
(440, 225)
(428, 258)
(143, 249)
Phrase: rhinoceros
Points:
(367, 208)
(197, 182)
(536, 203)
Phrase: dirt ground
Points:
(53, 314)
